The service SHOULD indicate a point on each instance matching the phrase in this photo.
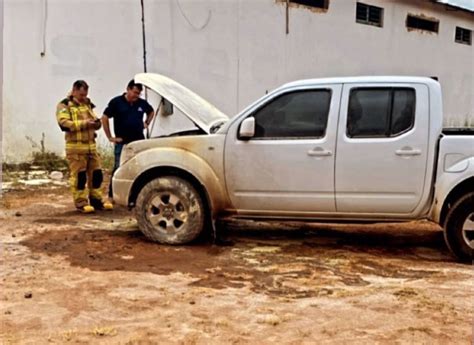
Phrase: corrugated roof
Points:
(464, 4)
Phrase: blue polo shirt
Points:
(128, 117)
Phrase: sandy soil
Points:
(72, 278)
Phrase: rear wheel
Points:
(459, 228)
(170, 210)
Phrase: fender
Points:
(182, 159)
(461, 175)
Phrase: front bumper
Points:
(121, 189)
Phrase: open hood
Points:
(197, 109)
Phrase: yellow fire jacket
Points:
(73, 118)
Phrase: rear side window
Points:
(300, 114)
(380, 112)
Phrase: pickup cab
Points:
(355, 149)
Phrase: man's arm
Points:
(149, 118)
(106, 125)
(64, 119)
(149, 114)
(97, 122)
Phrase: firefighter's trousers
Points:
(86, 178)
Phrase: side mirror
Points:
(166, 107)
(247, 128)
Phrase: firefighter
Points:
(76, 118)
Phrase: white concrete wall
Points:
(229, 51)
(95, 40)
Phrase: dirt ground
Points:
(72, 278)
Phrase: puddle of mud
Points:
(293, 266)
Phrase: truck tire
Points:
(459, 228)
(169, 210)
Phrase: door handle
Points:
(408, 151)
(319, 152)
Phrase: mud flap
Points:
(219, 234)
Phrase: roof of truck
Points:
(362, 79)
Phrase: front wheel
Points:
(169, 210)
(459, 228)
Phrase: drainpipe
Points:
(144, 53)
(143, 36)
(43, 29)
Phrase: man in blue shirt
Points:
(131, 115)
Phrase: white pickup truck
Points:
(368, 149)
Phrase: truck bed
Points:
(458, 131)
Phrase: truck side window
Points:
(299, 114)
(380, 112)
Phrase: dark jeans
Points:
(117, 152)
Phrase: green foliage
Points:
(107, 157)
(44, 159)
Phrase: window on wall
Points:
(421, 23)
(370, 15)
(313, 3)
(380, 112)
(463, 36)
(299, 114)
